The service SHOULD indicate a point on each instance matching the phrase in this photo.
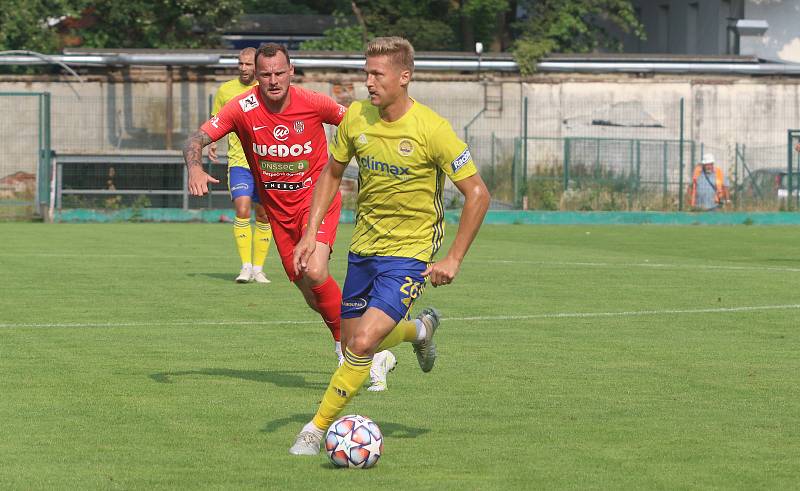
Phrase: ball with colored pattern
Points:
(354, 441)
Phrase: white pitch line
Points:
(557, 315)
(630, 313)
(647, 265)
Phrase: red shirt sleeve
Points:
(329, 111)
(223, 122)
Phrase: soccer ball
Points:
(354, 441)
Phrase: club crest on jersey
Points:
(299, 127)
(405, 147)
(281, 133)
(249, 103)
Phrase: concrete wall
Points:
(720, 112)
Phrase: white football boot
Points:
(382, 363)
(245, 275)
(260, 277)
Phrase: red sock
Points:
(329, 302)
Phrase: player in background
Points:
(253, 247)
(404, 150)
(282, 134)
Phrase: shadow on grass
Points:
(389, 430)
(227, 277)
(278, 378)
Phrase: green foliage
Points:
(480, 17)
(34, 25)
(418, 21)
(343, 37)
(159, 23)
(24, 24)
(577, 26)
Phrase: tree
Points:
(481, 20)
(343, 37)
(158, 23)
(48, 25)
(577, 26)
(30, 24)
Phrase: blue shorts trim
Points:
(388, 283)
(241, 183)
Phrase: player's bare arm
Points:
(476, 202)
(324, 191)
(193, 156)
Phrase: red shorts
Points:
(287, 233)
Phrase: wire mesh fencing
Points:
(543, 146)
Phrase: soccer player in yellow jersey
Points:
(252, 247)
(404, 150)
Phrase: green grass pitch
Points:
(610, 357)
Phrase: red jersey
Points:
(286, 151)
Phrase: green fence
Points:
(537, 146)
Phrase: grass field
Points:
(612, 357)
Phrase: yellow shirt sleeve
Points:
(219, 101)
(450, 153)
(342, 146)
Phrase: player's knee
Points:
(316, 275)
(243, 212)
(362, 344)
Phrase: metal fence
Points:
(24, 162)
(538, 146)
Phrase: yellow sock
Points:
(346, 381)
(261, 240)
(244, 238)
(403, 331)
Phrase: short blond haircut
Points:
(398, 49)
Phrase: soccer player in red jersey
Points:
(280, 127)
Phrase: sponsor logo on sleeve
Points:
(215, 121)
(249, 103)
(460, 160)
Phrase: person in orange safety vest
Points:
(709, 187)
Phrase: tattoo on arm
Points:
(193, 148)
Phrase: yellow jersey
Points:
(401, 169)
(226, 92)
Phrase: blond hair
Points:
(398, 49)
